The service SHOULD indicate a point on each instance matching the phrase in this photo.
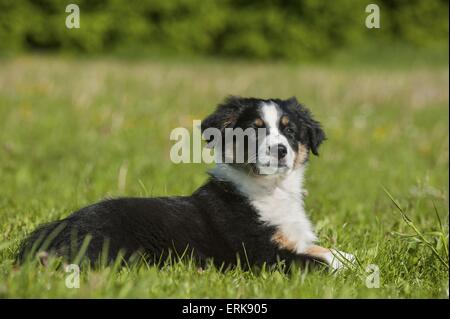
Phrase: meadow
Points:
(74, 131)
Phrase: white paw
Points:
(339, 259)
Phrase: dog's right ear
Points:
(312, 128)
(225, 116)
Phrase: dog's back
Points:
(126, 225)
(200, 225)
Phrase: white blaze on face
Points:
(268, 161)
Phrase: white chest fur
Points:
(278, 201)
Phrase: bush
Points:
(265, 29)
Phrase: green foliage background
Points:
(265, 29)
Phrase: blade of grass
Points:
(441, 228)
(82, 251)
(416, 230)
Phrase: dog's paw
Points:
(338, 260)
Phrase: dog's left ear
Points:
(316, 135)
(313, 132)
(224, 117)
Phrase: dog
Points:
(241, 212)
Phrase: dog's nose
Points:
(280, 150)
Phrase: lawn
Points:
(74, 131)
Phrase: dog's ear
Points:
(225, 116)
(316, 135)
(313, 133)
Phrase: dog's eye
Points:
(288, 130)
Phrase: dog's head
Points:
(263, 137)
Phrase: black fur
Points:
(313, 134)
(216, 222)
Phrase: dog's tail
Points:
(46, 238)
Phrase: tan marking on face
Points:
(302, 155)
(259, 122)
(283, 242)
(285, 120)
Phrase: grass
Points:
(76, 131)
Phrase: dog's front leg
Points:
(334, 258)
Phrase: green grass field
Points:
(74, 131)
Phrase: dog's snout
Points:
(278, 150)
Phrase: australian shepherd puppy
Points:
(251, 210)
